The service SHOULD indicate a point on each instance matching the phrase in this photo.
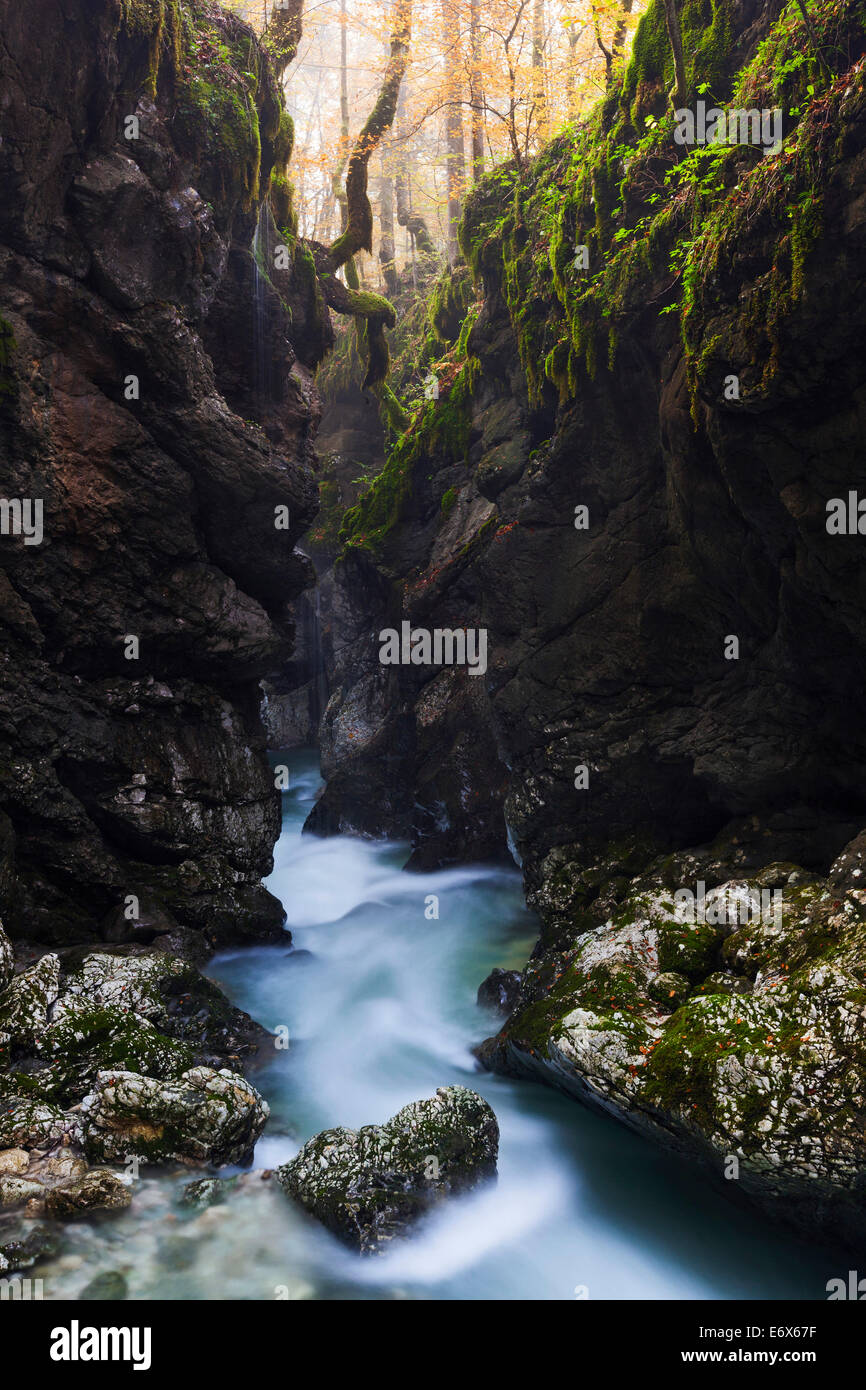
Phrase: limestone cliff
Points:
(157, 400)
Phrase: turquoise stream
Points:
(379, 1004)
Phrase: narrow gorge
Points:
(432, 662)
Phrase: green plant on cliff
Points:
(615, 222)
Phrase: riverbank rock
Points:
(23, 1243)
(6, 959)
(98, 1190)
(371, 1185)
(500, 991)
(738, 1039)
(204, 1117)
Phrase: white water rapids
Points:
(381, 1011)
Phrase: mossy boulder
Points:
(203, 1117)
(370, 1186)
(744, 1042)
(98, 1190)
(88, 1040)
(26, 1123)
(25, 1003)
(6, 959)
(691, 949)
(166, 992)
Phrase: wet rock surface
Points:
(115, 1056)
(134, 416)
(204, 1116)
(370, 1186)
(728, 1026)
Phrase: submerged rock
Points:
(500, 991)
(110, 1287)
(204, 1117)
(23, 1243)
(98, 1190)
(369, 1186)
(206, 1192)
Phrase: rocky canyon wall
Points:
(705, 516)
(157, 411)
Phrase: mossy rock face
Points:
(692, 950)
(764, 1059)
(89, 1040)
(670, 990)
(369, 1187)
(204, 1117)
(451, 297)
(502, 466)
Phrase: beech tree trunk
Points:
(476, 90)
(358, 233)
(455, 159)
(679, 91)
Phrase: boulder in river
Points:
(500, 991)
(23, 1243)
(204, 1117)
(369, 1186)
(98, 1190)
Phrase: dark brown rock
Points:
(127, 258)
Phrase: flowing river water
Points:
(379, 1004)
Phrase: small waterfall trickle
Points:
(261, 240)
(319, 692)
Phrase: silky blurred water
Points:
(378, 1001)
